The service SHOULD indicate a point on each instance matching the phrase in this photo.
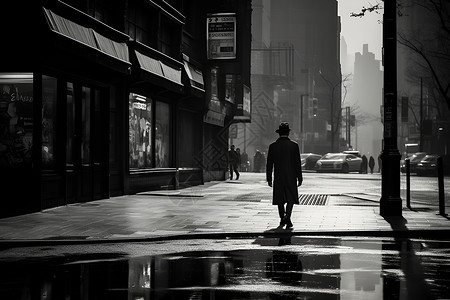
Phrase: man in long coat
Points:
(284, 159)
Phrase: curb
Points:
(403, 234)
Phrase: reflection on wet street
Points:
(262, 268)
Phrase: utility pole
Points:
(390, 202)
(302, 142)
(421, 116)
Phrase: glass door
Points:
(86, 153)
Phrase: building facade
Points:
(105, 98)
(296, 75)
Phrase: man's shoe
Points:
(289, 224)
(237, 177)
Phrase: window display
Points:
(162, 135)
(140, 131)
(16, 120)
(49, 92)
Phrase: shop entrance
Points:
(86, 143)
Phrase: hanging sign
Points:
(221, 36)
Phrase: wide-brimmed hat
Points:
(283, 128)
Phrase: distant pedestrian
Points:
(233, 162)
(379, 163)
(257, 162)
(363, 167)
(238, 151)
(244, 162)
(284, 160)
(371, 164)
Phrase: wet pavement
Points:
(221, 241)
(283, 267)
(344, 204)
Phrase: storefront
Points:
(80, 125)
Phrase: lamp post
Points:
(390, 202)
(302, 142)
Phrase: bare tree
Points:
(431, 47)
(335, 108)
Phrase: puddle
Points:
(262, 268)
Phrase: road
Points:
(424, 190)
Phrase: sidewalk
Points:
(225, 208)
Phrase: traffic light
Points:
(352, 120)
(315, 103)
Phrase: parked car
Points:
(413, 161)
(428, 165)
(309, 160)
(338, 162)
(354, 152)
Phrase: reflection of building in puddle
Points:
(181, 274)
(359, 274)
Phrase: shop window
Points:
(16, 120)
(162, 135)
(140, 132)
(49, 97)
(70, 121)
(230, 88)
(86, 125)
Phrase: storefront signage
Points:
(243, 112)
(141, 106)
(221, 36)
(214, 118)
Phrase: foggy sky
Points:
(359, 31)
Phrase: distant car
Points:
(338, 162)
(354, 152)
(428, 165)
(413, 161)
(309, 160)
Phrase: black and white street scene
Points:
(225, 149)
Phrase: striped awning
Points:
(87, 36)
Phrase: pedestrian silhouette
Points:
(244, 162)
(284, 159)
(233, 162)
(379, 163)
(257, 162)
(371, 164)
(363, 167)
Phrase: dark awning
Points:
(195, 76)
(159, 68)
(87, 36)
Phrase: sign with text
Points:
(221, 36)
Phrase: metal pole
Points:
(421, 116)
(408, 183)
(390, 202)
(440, 166)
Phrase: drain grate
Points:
(313, 199)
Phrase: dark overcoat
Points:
(284, 159)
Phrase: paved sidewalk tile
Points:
(227, 207)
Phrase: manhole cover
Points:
(313, 199)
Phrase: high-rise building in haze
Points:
(295, 64)
(366, 99)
